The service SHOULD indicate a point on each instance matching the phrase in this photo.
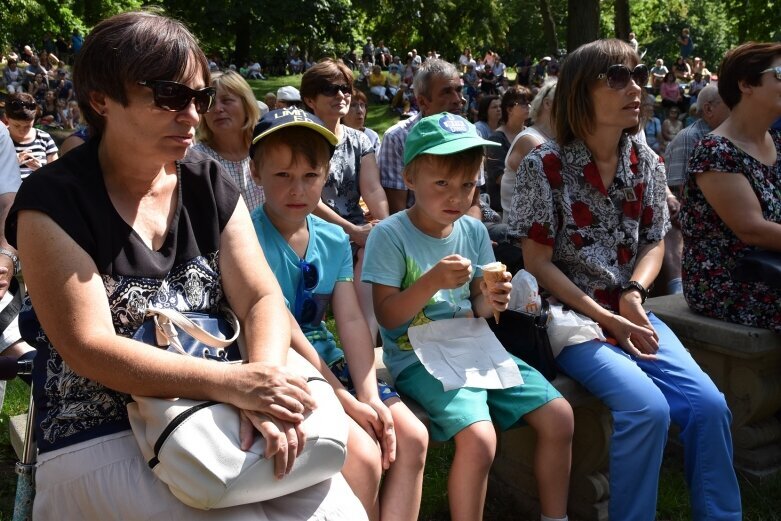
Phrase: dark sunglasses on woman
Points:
(775, 70)
(332, 90)
(618, 76)
(174, 96)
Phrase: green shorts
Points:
(452, 411)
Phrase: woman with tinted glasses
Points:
(133, 221)
(326, 90)
(591, 209)
(225, 132)
(732, 203)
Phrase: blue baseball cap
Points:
(290, 117)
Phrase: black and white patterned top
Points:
(183, 274)
(595, 232)
(342, 189)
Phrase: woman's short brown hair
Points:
(744, 63)
(322, 74)
(232, 82)
(512, 96)
(573, 107)
(15, 110)
(132, 47)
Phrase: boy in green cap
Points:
(423, 265)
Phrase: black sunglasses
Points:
(332, 90)
(173, 96)
(306, 306)
(775, 70)
(19, 104)
(618, 76)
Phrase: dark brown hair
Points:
(464, 164)
(573, 107)
(131, 47)
(512, 96)
(744, 63)
(322, 74)
(18, 112)
(304, 144)
(482, 107)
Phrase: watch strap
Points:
(633, 284)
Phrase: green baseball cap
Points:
(441, 135)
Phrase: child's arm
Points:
(363, 414)
(393, 307)
(358, 348)
(485, 300)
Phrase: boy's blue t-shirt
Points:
(329, 251)
(398, 253)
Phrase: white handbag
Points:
(193, 446)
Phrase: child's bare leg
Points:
(364, 292)
(553, 423)
(468, 479)
(403, 483)
(363, 469)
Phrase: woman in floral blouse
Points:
(732, 199)
(591, 208)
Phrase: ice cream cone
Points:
(492, 274)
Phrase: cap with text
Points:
(442, 134)
(291, 117)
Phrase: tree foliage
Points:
(262, 29)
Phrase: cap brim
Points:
(459, 145)
(327, 134)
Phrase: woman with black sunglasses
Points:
(131, 220)
(591, 209)
(732, 203)
(326, 90)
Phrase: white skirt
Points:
(107, 478)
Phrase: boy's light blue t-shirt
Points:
(329, 251)
(398, 253)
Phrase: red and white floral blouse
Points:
(595, 231)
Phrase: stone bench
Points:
(512, 474)
(745, 364)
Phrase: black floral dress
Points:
(711, 249)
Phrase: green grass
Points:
(17, 398)
(378, 117)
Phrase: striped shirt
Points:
(41, 147)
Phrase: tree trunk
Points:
(549, 28)
(622, 23)
(242, 39)
(582, 22)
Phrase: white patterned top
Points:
(240, 173)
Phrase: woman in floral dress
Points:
(732, 201)
(591, 209)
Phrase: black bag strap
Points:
(9, 313)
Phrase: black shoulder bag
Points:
(525, 335)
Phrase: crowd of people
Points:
(289, 207)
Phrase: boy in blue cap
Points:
(424, 265)
(312, 261)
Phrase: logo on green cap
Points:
(453, 124)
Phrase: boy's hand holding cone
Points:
(497, 287)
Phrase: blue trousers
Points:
(643, 397)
